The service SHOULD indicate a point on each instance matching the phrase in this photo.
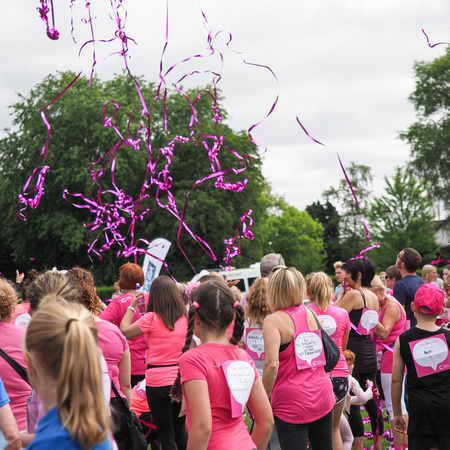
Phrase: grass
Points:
(367, 442)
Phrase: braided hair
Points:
(216, 307)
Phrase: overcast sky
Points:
(344, 67)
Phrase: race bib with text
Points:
(430, 355)
(309, 350)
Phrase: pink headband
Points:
(235, 304)
(196, 305)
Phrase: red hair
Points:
(130, 274)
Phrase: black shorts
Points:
(427, 441)
(340, 388)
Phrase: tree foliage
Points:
(429, 136)
(353, 236)
(53, 234)
(328, 216)
(402, 217)
(294, 234)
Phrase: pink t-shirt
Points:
(112, 344)
(18, 390)
(20, 316)
(205, 363)
(336, 323)
(387, 358)
(164, 348)
(114, 313)
(300, 396)
(139, 402)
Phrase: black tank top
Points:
(362, 346)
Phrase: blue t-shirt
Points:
(4, 399)
(51, 434)
(405, 290)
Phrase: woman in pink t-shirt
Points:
(218, 378)
(11, 337)
(130, 275)
(336, 322)
(164, 327)
(294, 376)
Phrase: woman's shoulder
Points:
(337, 312)
(182, 320)
(107, 330)
(11, 329)
(197, 355)
(372, 301)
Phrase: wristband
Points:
(132, 309)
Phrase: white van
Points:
(246, 276)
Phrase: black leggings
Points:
(171, 430)
(355, 419)
(294, 436)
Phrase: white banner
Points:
(152, 266)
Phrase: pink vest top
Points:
(300, 396)
(398, 328)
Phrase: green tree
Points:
(54, 234)
(429, 136)
(328, 216)
(402, 218)
(353, 235)
(294, 234)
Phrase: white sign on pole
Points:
(152, 266)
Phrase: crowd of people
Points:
(182, 366)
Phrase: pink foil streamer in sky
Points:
(371, 246)
(52, 32)
(433, 45)
(115, 220)
(232, 249)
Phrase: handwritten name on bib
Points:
(430, 355)
(309, 350)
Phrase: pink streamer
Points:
(437, 261)
(115, 219)
(234, 250)
(52, 32)
(371, 246)
(433, 45)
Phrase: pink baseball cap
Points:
(431, 296)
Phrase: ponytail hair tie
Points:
(235, 304)
(68, 324)
(196, 305)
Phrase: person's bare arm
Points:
(390, 317)
(348, 300)
(8, 427)
(262, 412)
(272, 342)
(197, 396)
(345, 340)
(398, 367)
(128, 329)
(125, 375)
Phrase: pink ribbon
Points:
(433, 45)
(114, 220)
(371, 246)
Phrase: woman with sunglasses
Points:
(392, 276)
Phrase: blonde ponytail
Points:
(63, 338)
(320, 289)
